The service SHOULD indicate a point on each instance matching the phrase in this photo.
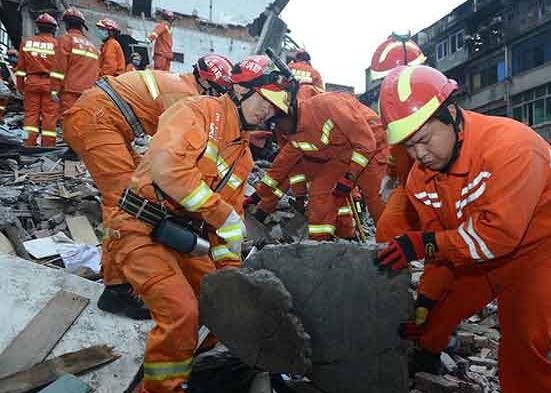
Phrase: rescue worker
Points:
(198, 162)
(341, 144)
(481, 186)
(77, 65)
(398, 216)
(34, 72)
(299, 63)
(100, 134)
(111, 60)
(162, 36)
(135, 62)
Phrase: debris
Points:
(48, 371)
(81, 230)
(35, 342)
(251, 312)
(357, 346)
(67, 383)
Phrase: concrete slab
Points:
(350, 309)
(26, 287)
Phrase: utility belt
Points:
(140, 137)
(176, 232)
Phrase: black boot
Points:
(120, 299)
(425, 361)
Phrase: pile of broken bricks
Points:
(46, 196)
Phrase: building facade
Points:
(499, 51)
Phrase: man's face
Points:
(257, 110)
(433, 144)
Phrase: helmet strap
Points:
(456, 125)
(238, 102)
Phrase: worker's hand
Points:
(413, 330)
(344, 186)
(233, 232)
(252, 199)
(55, 96)
(411, 246)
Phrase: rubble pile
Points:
(42, 192)
(469, 365)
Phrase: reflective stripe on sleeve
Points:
(297, 179)
(323, 229)
(151, 83)
(85, 53)
(222, 252)
(197, 198)
(359, 159)
(57, 75)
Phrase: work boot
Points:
(423, 361)
(121, 299)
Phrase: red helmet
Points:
(216, 70)
(108, 24)
(46, 19)
(260, 73)
(168, 15)
(73, 14)
(409, 97)
(391, 54)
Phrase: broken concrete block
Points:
(351, 310)
(251, 312)
(480, 361)
(449, 364)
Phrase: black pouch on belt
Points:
(172, 232)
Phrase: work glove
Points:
(233, 232)
(55, 96)
(414, 329)
(252, 199)
(411, 246)
(344, 186)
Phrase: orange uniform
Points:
(34, 68)
(306, 74)
(336, 135)
(399, 216)
(491, 214)
(77, 67)
(97, 131)
(111, 61)
(197, 141)
(162, 52)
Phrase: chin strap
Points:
(238, 102)
(456, 124)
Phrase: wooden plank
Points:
(71, 168)
(42, 333)
(68, 383)
(81, 230)
(47, 372)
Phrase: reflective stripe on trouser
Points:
(524, 318)
(169, 284)
(323, 207)
(40, 111)
(111, 165)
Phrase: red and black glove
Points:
(252, 199)
(409, 247)
(413, 330)
(344, 186)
